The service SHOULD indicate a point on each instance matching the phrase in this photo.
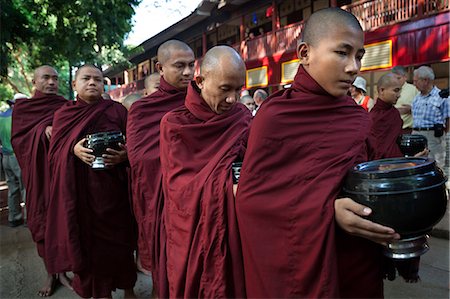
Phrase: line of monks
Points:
(281, 232)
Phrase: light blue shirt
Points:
(430, 109)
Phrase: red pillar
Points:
(204, 45)
(242, 29)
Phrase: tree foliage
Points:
(62, 33)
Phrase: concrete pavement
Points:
(22, 271)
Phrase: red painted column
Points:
(204, 45)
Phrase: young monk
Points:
(90, 228)
(31, 132)
(176, 66)
(199, 143)
(386, 120)
(151, 83)
(302, 142)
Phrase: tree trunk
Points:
(71, 97)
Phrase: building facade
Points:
(397, 32)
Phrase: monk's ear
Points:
(303, 50)
(159, 68)
(199, 81)
(74, 85)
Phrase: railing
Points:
(376, 14)
(287, 37)
(372, 14)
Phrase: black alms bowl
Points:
(407, 194)
(411, 144)
(99, 142)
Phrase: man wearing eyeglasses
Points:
(430, 113)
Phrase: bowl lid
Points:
(392, 166)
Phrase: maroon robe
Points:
(198, 148)
(30, 119)
(89, 221)
(386, 128)
(143, 125)
(301, 145)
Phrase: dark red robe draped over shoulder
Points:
(301, 145)
(143, 125)
(90, 228)
(386, 128)
(198, 148)
(30, 119)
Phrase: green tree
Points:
(62, 33)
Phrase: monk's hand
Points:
(48, 132)
(235, 186)
(423, 153)
(349, 216)
(83, 153)
(404, 109)
(114, 157)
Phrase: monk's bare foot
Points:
(129, 294)
(49, 286)
(65, 281)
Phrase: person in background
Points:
(248, 101)
(16, 190)
(259, 97)
(151, 83)
(409, 91)
(130, 99)
(358, 92)
(430, 113)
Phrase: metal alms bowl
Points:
(411, 144)
(99, 142)
(407, 194)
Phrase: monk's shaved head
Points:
(222, 76)
(151, 83)
(87, 66)
(319, 23)
(389, 88)
(220, 56)
(45, 79)
(387, 80)
(168, 47)
(130, 99)
(43, 68)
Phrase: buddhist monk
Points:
(302, 142)
(151, 83)
(385, 129)
(199, 143)
(31, 132)
(130, 99)
(386, 121)
(248, 101)
(176, 66)
(90, 228)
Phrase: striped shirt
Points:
(429, 109)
